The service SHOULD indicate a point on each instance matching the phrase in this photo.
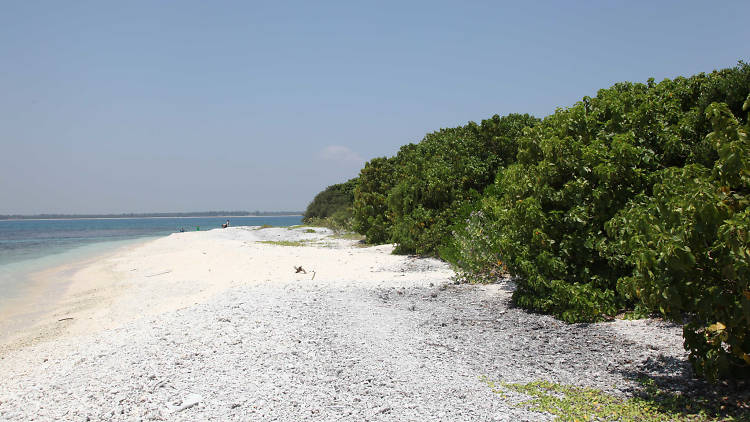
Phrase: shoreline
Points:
(26, 317)
(149, 277)
(18, 275)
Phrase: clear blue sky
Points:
(138, 106)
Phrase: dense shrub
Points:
(415, 198)
(475, 251)
(370, 210)
(340, 222)
(436, 182)
(689, 244)
(334, 199)
(581, 166)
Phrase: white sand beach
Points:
(218, 325)
(186, 269)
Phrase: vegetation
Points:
(415, 198)
(578, 169)
(285, 242)
(579, 254)
(569, 403)
(476, 250)
(340, 222)
(688, 245)
(635, 201)
(348, 235)
(370, 207)
(332, 207)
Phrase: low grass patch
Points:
(349, 236)
(300, 226)
(285, 242)
(265, 226)
(569, 403)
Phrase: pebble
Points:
(387, 351)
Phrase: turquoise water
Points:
(33, 245)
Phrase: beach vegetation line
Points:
(636, 200)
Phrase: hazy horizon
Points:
(162, 214)
(145, 107)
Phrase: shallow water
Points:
(28, 246)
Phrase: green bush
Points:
(474, 251)
(689, 245)
(334, 199)
(417, 197)
(340, 221)
(370, 210)
(578, 169)
(440, 179)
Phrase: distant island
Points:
(154, 214)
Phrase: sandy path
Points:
(221, 323)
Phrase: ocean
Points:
(28, 246)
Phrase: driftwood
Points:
(299, 269)
(65, 319)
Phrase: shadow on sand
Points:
(669, 384)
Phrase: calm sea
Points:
(32, 245)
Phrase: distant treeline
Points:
(634, 201)
(154, 214)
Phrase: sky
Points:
(177, 106)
